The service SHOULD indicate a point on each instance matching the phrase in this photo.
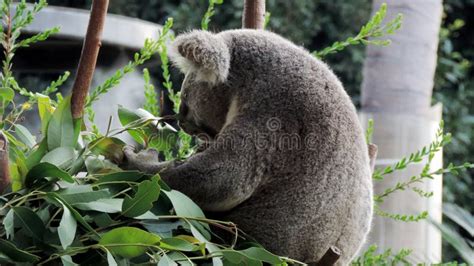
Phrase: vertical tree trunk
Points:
(253, 16)
(88, 60)
(396, 93)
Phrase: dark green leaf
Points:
(43, 170)
(148, 192)
(72, 197)
(35, 157)
(15, 254)
(29, 221)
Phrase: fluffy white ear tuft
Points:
(202, 52)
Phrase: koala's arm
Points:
(219, 178)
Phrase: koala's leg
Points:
(218, 178)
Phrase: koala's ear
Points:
(203, 52)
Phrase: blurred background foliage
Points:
(317, 24)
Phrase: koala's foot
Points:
(146, 161)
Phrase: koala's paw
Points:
(141, 160)
(146, 161)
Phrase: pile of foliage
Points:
(71, 202)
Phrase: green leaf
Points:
(176, 243)
(67, 261)
(128, 242)
(8, 224)
(62, 157)
(35, 157)
(110, 259)
(45, 110)
(126, 117)
(43, 170)
(235, 257)
(29, 221)
(102, 205)
(15, 254)
(67, 228)
(130, 176)
(57, 198)
(262, 255)
(25, 136)
(148, 192)
(184, 206)
(6, 94)
(73, 197)
(61, 128)
(166, 261)
(110, 148)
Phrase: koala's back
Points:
(316, 190)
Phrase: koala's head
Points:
(204, 58)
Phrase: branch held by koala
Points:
(372, 155)
(253, 16)
(4, 168)
(88, 60)
(330, 257)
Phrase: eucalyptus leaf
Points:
(62, 157)
(43, 170)
(8, 224)
(147, 193)
(16, 254)
(61, 127)
(84, 196)
(110, 259)
(25, 136)
(166, 261)
(179, 244)
(67, 261)
(128, 242)
(102, 205)
(29, 221)
(67, 228)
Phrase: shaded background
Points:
(317, 24)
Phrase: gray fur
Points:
(296, 199)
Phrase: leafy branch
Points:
(370, 33)
(206, 19)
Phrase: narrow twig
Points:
(88, 60)
(372, 155)
(330, 257)
(4, 169)
(254, 14)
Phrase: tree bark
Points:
(253, 16)
(4, 169)
(88, 60)
(396, 93)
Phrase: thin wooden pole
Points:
(4, 169)
(330, 257)
(253, 16)
(88, 60)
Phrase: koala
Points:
(286, 158)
